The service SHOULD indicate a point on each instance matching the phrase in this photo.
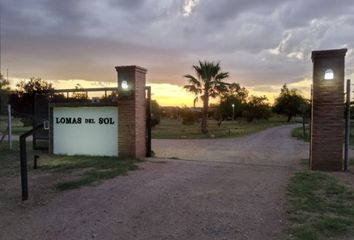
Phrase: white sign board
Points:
(85, 131)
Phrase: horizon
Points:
(159, 91)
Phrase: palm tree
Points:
(207, 83)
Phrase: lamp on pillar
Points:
(329, 75)
(124, 85)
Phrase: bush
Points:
(257, 108)
(155, 113)
(188, 116)
(154, 120)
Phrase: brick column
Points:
(131, 112)
(327, 126)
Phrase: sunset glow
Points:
(174, 95)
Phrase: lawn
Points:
(72, 171)
(17, 126)
(319, 207)
(174, 129)
(92, 169)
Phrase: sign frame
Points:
(73, 105)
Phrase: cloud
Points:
(261, 43)
(127, 5)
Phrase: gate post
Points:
(131, 112)
(327, 127)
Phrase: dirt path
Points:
(273, 146)
(236, 193)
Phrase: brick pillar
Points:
(327, 126)
(131, 112)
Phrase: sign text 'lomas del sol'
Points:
(79, 120)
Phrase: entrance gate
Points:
(118, 97)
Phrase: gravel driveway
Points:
(273, 147)
(225, 189)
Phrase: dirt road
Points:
(273, 146)
(232, 189)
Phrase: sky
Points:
(262, 44)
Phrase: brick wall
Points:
(131, 112)
(140, 113)
(327, 131)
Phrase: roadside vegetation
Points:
(18, 127)
(235, 115)
(319, 207)
(290, 102)
(234, 101)
(72, 171)
(208, 83)
(92, 169)
(299, 134)
(175, 129)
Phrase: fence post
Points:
(347, 127)
(9, 124)
(23, 161)
(148, 122)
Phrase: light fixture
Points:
(233, 111)
(329, 75)
(124, 85)
(46, 125)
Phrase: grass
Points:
(10, 159)
(91, 169)
(94, 169)
(351, 138)
(17, 126)
(174, 129)
(305, 162)
(299, 134)
(319, 207)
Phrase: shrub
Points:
(188, 116)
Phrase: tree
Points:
(33, 86)
(257, 108)
(234, 96)
(289, 102)
(207, 83)
(155, 113)
(4, 93)
(79, 95)
(234, 89)
(22, 99)
(4, 84)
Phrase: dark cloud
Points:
(299, 13)
(127, 5)
(259, 42)
(222, 10)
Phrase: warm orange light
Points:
(167, 94)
